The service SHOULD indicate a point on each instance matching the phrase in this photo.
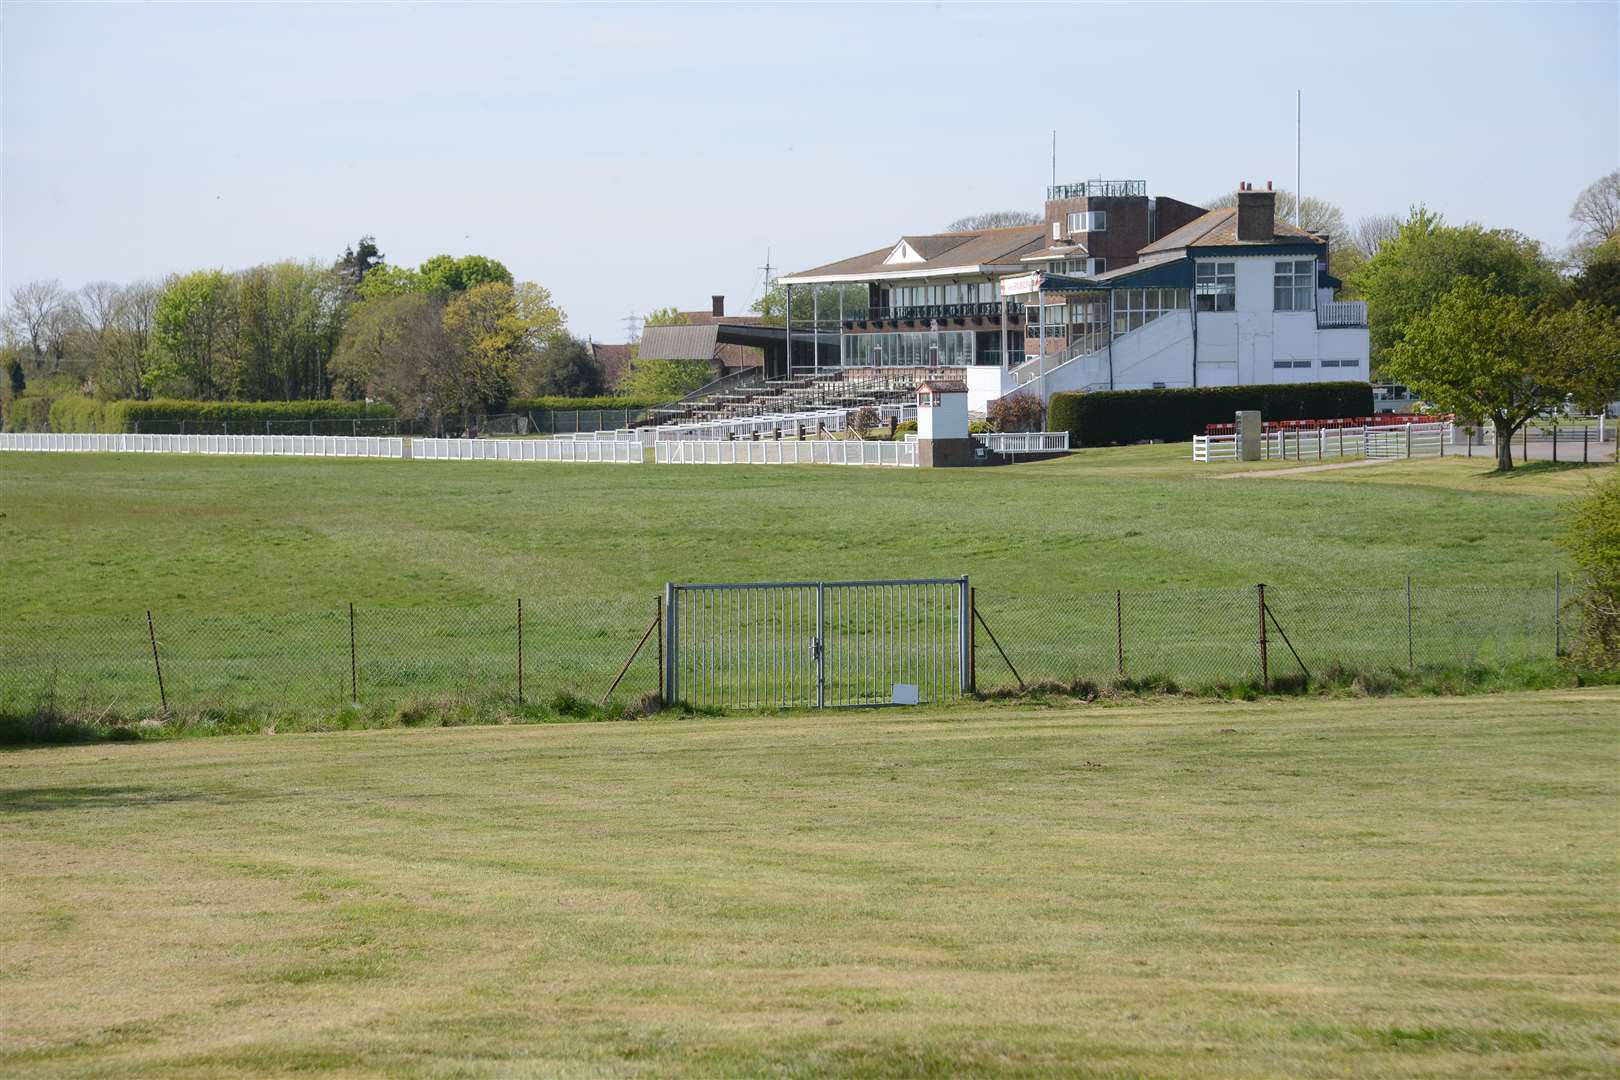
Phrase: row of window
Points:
(1134, 308)
(1088, 221)
(1307, 363)
(969, 292)
(948, 348)
(1086, 267)
(1293, 285)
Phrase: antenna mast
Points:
(1054, 157)
(1299, 193)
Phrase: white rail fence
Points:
(1305, 444)
(257, 445)
(786, 452)
(581, 450)
(1025, 442)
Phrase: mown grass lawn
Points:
(1369, 888)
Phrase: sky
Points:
(631, 157)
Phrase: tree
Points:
(34, 315)
(666, 316)
(1427, 257)
(666, 380)
(289, 321)
(1486, 354)
(822, 300)
(1373, 232)
(994, 219)
(444, 274)
(1598, 279)
(387, 280)
(358, 261)
(564, 367)
(125, 349)
(498, 330)
(1593, 542)
(15, 377)
(395, 348)
(194, 326)
(1596, 213)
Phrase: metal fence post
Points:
(151, 633)
(1119, 634)
(658, 619)
(672, 656)
(1265, 665)
(1408, 622)
(354, 667)
(973, 641)
(820, 648)
(520, 649)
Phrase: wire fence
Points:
(133, 662)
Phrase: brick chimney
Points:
(718, 303)
(1256, 214)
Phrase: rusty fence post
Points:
(520, 650)
(1119, 634)
(354, 666)
(1265, 664)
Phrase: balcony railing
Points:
(1089, 189)
(990, 310)
(1341, 313)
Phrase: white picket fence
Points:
(1025, 442)
(259, 445)
(1320, 444)
(786, 452)
(582, 450)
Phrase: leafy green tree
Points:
(564, 367)
(194, 327)
(444, 274)
(395, 348)
(1598, 279)
(389, 280)
(1427, 257)
(358, 261)
(667, 380)
(499, 330)
(1484, 354)
(1593, 542)
(665, 316)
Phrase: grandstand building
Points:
(1113, 290)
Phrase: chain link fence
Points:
(131, 662)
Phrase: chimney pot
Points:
(1268, 185)
(719, 305)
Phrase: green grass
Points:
(1405, 888)
(249, 565)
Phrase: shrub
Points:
(866, 418)
(1018, 411)
(75, 412)
(162, 414)
(1105, 417)
(904, 428)
(1594, 543)
(27, 413)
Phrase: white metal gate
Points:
(798, 644)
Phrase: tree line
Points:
(448, 336)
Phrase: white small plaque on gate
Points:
(905, 694)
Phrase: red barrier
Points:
(1380, 420)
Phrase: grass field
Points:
(1399, 888)
(249, 564)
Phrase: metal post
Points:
(1265, 663)
(1119, 633)
(787, 323)
(151, 633)
(973, 642)
(658, 614)
(520, 650)
(1409, 622)
(1040, 356)
(820, 649)
(1524, 443)
(1555, 444)
(1586, 438)
(672, 687)
(815, 328)
(354, 668)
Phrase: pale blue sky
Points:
(630, 157)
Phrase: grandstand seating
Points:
(802, 394)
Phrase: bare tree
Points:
(34, 311)
(125, 339)
(994, 219)
(1596, 212)
(1373, 232)
(98, 303)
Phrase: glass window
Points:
(1216, 286)
(1294, 285)
(1135, 308)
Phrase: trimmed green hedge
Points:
(124, 415)
(566, 404)
(26, 413)
(1107, 417)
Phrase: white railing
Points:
(580, 450)
(1341, 313)
(1320, 444)
(1025, 442)
(786, 452)
(257, 445)
(785, 423)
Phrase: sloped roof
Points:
(940, 251)
(1218, 228)
(679, 342)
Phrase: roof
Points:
(1057, 251)
(1218, 228)
(679, 342)
(944, 386)
(964, 251)
(614, 360)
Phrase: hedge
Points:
(1106, 417)
(27, 413)
(616, 401)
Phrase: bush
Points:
(866, 418)
(1594, 543)
(166, 413)
(27, 413)
(571, 404)
(1106, 417)
(75, 412)
(1018, 411)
